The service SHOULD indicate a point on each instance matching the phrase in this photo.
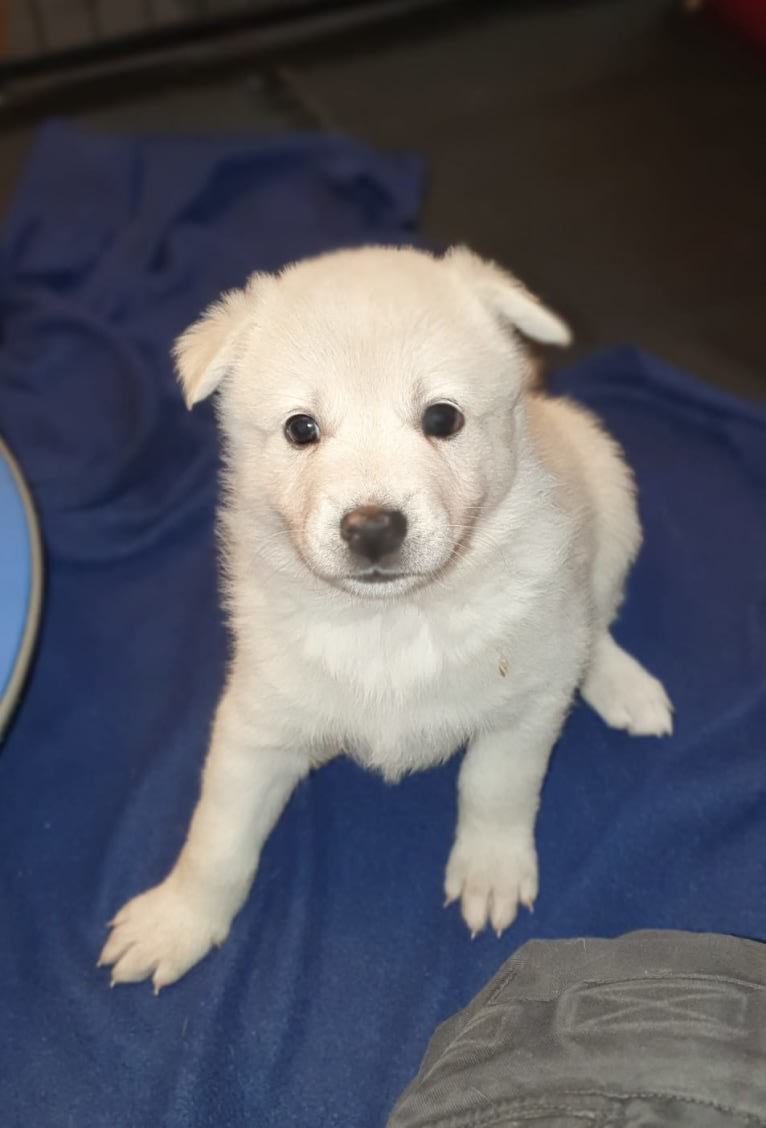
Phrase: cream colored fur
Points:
(521, 532)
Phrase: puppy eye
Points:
(441, 420)
(301, 430)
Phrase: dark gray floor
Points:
(610, 151)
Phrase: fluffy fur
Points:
(521, 530)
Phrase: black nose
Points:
(373, 532)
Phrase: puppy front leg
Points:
(247, 780)
(493, 864)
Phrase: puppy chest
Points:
(392, 656)
(401, 712)
(399, 692)
(397, 733)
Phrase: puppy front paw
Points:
(491, 873)
(162, 933)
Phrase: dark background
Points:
(612, 152)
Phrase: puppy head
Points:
(369, 401)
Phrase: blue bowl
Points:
(21, 581)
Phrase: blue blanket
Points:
(319, 1006)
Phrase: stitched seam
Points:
(669, 978)
(511, 973)
(485, 1118)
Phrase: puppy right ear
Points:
(205, 352)
(509, 300)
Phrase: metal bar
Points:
(266, 15)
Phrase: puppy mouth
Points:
(378, 576)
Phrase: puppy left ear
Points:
(205, 352)
(508, 299)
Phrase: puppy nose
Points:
(372, 531)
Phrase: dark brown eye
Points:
(301, 430)
(442, 420)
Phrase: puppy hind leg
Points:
(624, 694)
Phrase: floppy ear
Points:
(508, 299)
(206, 350)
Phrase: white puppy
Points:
(420, 551)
